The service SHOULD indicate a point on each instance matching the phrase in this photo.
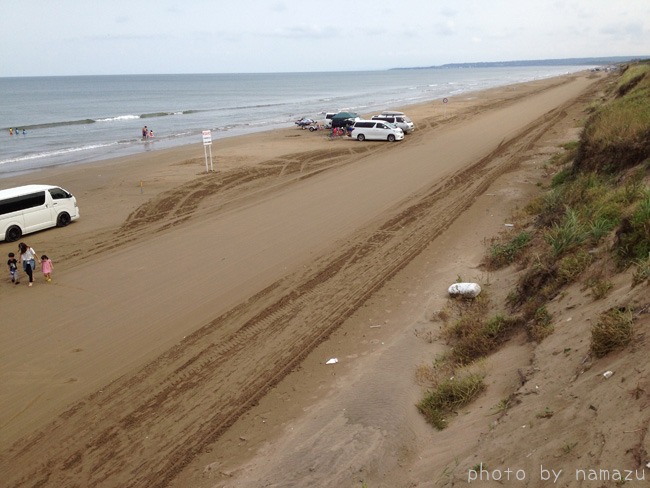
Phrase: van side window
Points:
(22, 202)
(59, 193)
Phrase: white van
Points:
(30, 208)
(328, 119)
(397, 118)
(377, 130)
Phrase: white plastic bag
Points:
(467, 290)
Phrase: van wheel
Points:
(63, 219)
(361, 137)
(13, 234)
(391, 138)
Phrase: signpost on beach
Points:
(207, 148)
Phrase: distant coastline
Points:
(537, 62)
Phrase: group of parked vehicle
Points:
(31, 208)
(387, 126)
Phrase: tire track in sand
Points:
(143, 429)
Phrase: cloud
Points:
(632, 30)
(447, 28)
(252, 35)
(118, 38)
(375, 31)
(279, 7)
(300, 32)
(448, 12)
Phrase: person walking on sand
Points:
(46, 268)
(28, 257)
(13, 268)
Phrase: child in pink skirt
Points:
(46, 267)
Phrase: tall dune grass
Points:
(617, 136)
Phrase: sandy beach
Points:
(183, 338)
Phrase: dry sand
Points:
(183, 338)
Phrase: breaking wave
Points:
(117, 118)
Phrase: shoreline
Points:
(414, 111)
(219, 135)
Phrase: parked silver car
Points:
(397, 118)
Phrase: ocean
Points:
(77, 119)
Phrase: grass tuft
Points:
(449, 396)
(566, 235)
(572, 265)
(613, 331)
(600, 288)
(474, 338)
(633, 234)
(642, 272)
(541, 325)
(503, 254)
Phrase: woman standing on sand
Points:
(28, 257)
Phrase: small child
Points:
(13, 268)
(46, 267)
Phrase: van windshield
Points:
(59, 193)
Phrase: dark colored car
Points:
(344, 119)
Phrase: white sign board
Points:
(207, 148)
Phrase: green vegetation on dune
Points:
(592, 223)
(617, 136)
(599, 203)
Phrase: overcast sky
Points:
(75, 37)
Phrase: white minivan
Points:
(30, 208)
(397, 118)
(377, 130)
